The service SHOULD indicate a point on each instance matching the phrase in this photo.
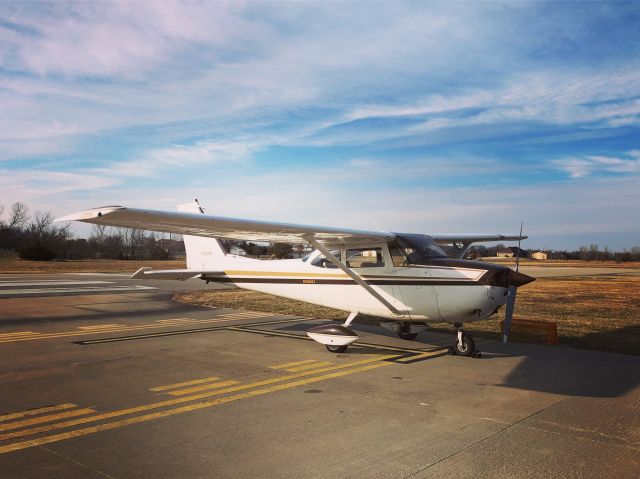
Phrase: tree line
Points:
(592, 252)
(36, 237)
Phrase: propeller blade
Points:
(519, 240)
(511, 304)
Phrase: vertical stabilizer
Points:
(202, 252)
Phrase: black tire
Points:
(404, 332)
(336, 349)
(407, 336)
(468, 346)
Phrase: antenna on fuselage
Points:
(202, 209)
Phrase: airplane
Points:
(406, 280)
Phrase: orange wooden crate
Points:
(529, 324)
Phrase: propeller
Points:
(511, 295)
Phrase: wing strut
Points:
(320, 247)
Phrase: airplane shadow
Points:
(555, 369)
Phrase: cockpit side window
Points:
(322, 262)
(365, 258)
(411, 249)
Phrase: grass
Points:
(600, 313)
(14, 265)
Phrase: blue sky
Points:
(420, 117)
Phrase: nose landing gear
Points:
(464, 345)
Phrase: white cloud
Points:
(589, 165)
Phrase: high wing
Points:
(462, 243)
(449, 239)
(228, 228)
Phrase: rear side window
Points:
(365, 258)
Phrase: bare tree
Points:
(18, 217)
(43, 239)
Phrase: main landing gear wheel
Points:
(336, 349)
(465, 346)
(404, 332)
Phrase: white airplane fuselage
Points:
(452, 291)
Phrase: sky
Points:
(401, 116)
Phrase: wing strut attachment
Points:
(354, 276)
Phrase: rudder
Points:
(202, 252)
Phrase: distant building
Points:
(505, 253)
(539, 255)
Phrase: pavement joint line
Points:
(185, 383)
(192, 407)
(167, 333)
(217, 319)
(172, 402)
(35, 412)
(49, 418)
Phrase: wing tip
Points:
(88, 214)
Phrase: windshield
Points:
(411, 249)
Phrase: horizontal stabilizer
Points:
(173, 274)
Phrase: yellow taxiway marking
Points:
(173, 402)
(49, 418)
(180, 320)
(427, 354)
(309, 366)
(218, 319)
(205, 387)
(100, 326)
(295, 363)
(186, 383)
(192, 407)
(35, 412)
(17, 334)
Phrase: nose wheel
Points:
(464, 345)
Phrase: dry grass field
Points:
(14, 265)
(601, 312)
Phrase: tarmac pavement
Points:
(126, 383)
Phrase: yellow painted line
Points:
(295, 363)
(172, 412)
(288, 377)
(35, 412)
(176, 320)
(19, 333)
(49, 418)
(218, 319)
(427, 354)
(205, 387)
(100, 326)
(186, 383)
(172, 402)
(308, 366)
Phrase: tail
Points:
(202, 252)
